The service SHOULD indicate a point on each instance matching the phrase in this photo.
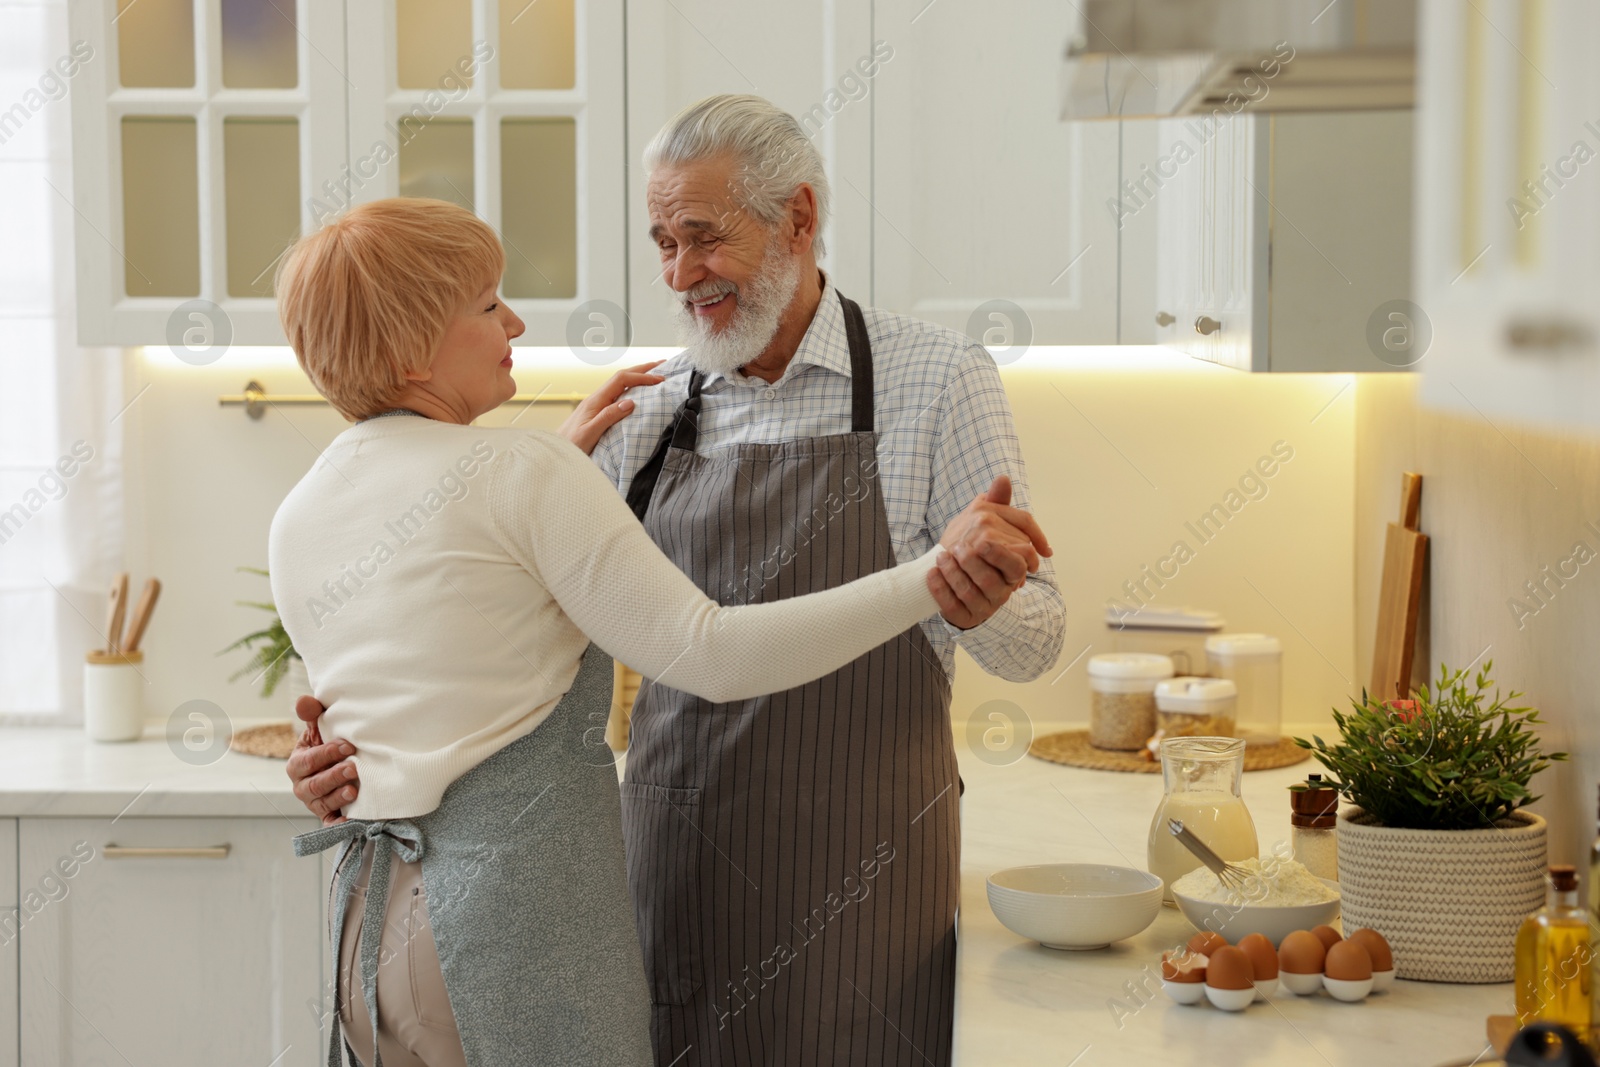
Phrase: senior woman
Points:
(479, 909)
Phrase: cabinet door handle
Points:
(202, 852)
(1164, 318)
(1205, 325)
(1548, 337)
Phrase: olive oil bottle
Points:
(1594, 945)
(1553, 959)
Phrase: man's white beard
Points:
(757, 311)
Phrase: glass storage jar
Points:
(1122, 698)
(1254, 663)
(1178, 633)
(1196, 707)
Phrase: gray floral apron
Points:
(523, 866)
(794, 859)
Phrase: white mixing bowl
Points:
(1074, 905)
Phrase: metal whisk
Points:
(1229, 875)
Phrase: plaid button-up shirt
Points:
(944, 433)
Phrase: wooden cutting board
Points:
(1405, 552)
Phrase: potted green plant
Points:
(1435, 852)
(272, 653)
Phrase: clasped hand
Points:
(990, 549)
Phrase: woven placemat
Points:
(275, 740)
(1072, 748)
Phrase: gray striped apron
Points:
(523, 865)
(794, 859)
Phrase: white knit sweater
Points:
(441, 583)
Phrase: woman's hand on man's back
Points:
(324, 777)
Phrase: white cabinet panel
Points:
(173, 957)
(9, 946)
(979, 191)
(802, 55)
(1509, 204)
(1213, 232)
(1280, 236)
(9, 931)
(8, 861)
(1341, 241)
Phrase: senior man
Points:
(794, 859)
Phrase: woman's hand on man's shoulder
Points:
(607, 406)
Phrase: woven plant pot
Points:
(1448, 901)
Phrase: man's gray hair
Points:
(771, 148)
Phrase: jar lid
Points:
(1244, 645)
(1131, 665)
(1194, 694)
(1148, 618)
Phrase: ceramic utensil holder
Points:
(113, 696)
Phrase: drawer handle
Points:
(1205, 325)
(203, 852)
(1165, 318)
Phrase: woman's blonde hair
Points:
(367, 297)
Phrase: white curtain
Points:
(61, 528)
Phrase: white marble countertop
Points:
(58, 771)
(1020, 1003)
(1016, 1002)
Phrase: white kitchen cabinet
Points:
(806, 56)
(205, 948)
(1507, 263)
(208, 136)
(1281, 239)
(8, 942)
(982, 201)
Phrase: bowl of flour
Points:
(1278, 896)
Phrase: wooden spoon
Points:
(114, 612)
(141, 616)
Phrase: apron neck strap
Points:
(855, 331)
(684, 429)
(682, 432)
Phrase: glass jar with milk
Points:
(1201, 777)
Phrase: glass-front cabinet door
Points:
(513, 109)
(212, 133)
(199, 131)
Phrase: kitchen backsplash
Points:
(1147, 471)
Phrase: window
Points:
(61, 425)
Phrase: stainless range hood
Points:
(1159, 58)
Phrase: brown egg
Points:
(1348, 962)
(1183, 966)
(1327, 935)
(1302, 952)
(1206, 942)
(1382, 955)
(1263, 957)
(1229, 968)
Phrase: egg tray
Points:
(1217, 996)
(1211, 948)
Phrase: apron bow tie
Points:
(396, 836)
